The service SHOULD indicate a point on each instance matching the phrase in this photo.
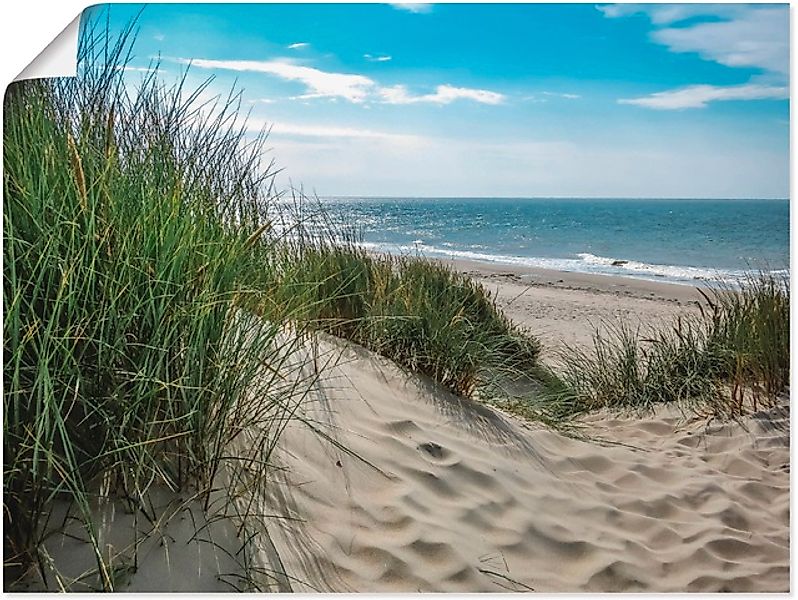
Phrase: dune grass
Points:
(731, 358)
(421, 314)
(750, 333)
(128, 227)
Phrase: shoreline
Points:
(588, 265)
(563, 308)
(572, 280)
(671, 291)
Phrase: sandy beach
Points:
(565, 307)
(436, 493)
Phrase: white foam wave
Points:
(674, 272)
(586, 263)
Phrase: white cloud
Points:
(414, 7)
(352, 87)
(756, 37)
(698, 96)
(378, 58)
(444, 94)
(738, 36)
(539, 97)
(298, 45)
(665, 14)
(130, 69)
(320, 84)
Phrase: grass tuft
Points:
(419, 313)
(732, 357)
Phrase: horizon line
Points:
(412, 197)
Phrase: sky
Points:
(489, 100)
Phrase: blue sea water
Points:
(684, 241)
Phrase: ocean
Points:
(682, 241)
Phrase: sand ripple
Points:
(454, 497)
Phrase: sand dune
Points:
(434, 493)
(388, 483)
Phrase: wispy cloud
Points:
(562, 95)
(377, 58)
(298, 45)
(698, 96)
(320, 84)
(129, 69)
(738, 36)
(414, 7)
(665, 14)
(444, 94)
(348, 86)
(541, 97)
(326, 131)
(330, 132)
(756, 37)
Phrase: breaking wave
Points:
(583, 263)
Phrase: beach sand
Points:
(435, 493)
(179, 545)
(565, 308)
(389, 483)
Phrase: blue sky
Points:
(497, 100)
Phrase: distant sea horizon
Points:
(634, 198)
(684, 240)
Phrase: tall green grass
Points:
(749, 332)
(734, 356)
(131, 223)
(421, 314)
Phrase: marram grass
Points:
(421, 314)
(129, 224)
(731, 358)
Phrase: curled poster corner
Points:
(59, 58)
